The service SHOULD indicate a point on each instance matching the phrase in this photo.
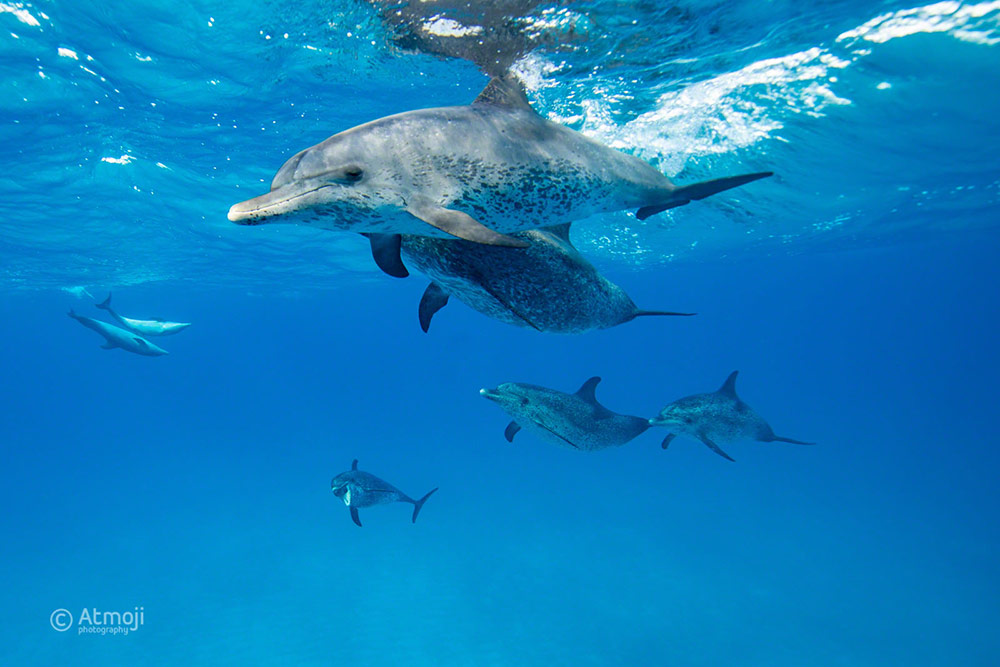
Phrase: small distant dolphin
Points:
(361, 489)
(548, 286)
(719, 416)
(116, 337)
(153, 327)
(478, 172)
(576, 421)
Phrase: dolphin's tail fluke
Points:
(648, 313)
(688, 193)
(417, 504)
(106, 304)
(778, 438)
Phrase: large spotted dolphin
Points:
(719, 416)
(357, 488)
(117, 337)
(547, 286)
(576, 421)
(478, 172)
(153, 327)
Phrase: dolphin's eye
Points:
(353, 174)
(524, 401)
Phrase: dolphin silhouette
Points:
(576, 421)
(719, 416)
(478, 172)
(361, 489)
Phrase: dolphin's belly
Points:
(362, 497)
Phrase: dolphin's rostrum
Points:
(576, 421)
(478, 172)
(719, 416)
(361, 489)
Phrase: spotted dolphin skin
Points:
(117, 337)
(478, 172)
(548, 286)
(154, 327)
(361, 489)
(717, 417)
(576, 421)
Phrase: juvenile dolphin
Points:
(576, 421)
(153, 327)
(116, 337)
(478, 172)
(548, 286)
(717, 417)
(361, 489)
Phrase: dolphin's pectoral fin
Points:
(666, 440)
(715, 448)
(688, 193)
(462, 225)
(505, 91)
(511, 431)
(385, 252)
(433, 300)
(354, 516)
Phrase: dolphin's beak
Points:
(491, 394)
(286, 199)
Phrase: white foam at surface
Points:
(19, 12)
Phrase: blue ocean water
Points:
(855, 291)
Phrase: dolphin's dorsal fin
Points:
(354, 466)
(562, 231)
(505, 91)
(729, 386)
(586, 392)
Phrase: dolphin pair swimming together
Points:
(131, 335)
(479, 172)
(579, 422)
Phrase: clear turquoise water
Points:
(855, 292)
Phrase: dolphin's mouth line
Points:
(273, 204)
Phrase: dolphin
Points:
(576, 421)
(361, 489)
(719, 416)
(548, 286)
(116, 337)
(153, 327)
(478, 172)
